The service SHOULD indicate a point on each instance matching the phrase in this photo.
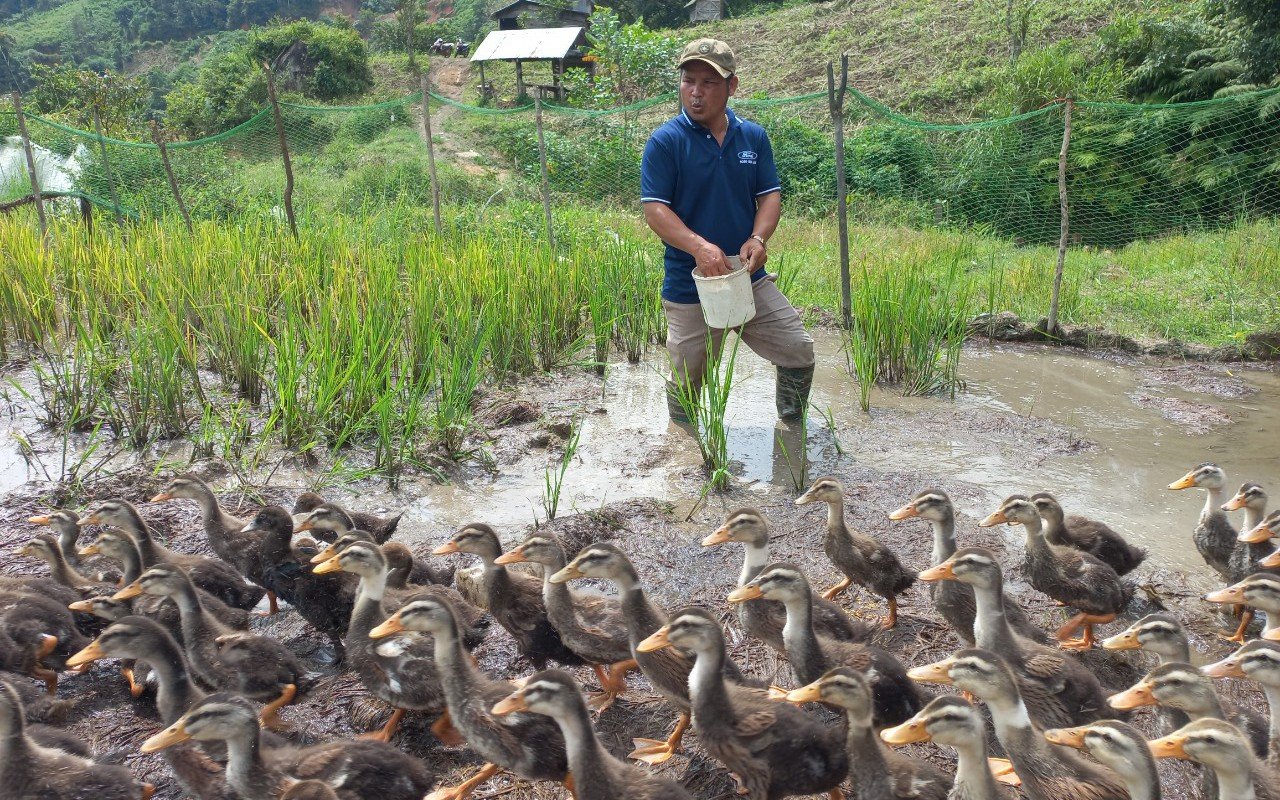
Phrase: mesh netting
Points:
(1134, 171)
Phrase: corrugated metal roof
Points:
(578, 6)
(533, 44)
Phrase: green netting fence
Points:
(1132, 171)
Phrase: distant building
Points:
(572, 16)
(705, 10)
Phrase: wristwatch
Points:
(759, 239)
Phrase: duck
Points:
(1071, 577)
(39, 707)
(513, 598)
(37, 635)
(773, 749)
(47, 548)
(1120, 747)
(1257, 661)
(877, 773)
(590, 625)
(597, 775)
(1183, 687)
(953, 600)
(404, 568)
(214, 575)
(667, 669)
(1214, 535)
(401, 672)
(862, 559)
(224, 530)
(1045, 773)
(1088, 535)
(1260, 590)
(1267, 528)
(1223, 748)
(221, 658)
(355, 770)
(1058, 690)
(763, 619)
(952, 721)
(529, 745)
(67, 525)
(330, 520)
(896, 696)
(1160, 633)
(31, 771)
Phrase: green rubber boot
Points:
(794, 384)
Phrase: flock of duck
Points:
(180, 622)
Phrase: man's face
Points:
(703, 93)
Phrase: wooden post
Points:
(835, 98)
(106, 166)
(520, 92)
(1065, 211)
(431, 149)
(542, 163)
(86, 214)
(168, 171)
(31, 166)
(284, 149)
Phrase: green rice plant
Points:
(553, 481)
(153, 376)
(399, 417)
(705, 407)
(798, 462)
(463, 340)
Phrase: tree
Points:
(407, 19)
(7, 43)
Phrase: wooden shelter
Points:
(563, 47)
(573, 15)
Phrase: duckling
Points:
(529, 745)
(1257, 661)
(513, 598)
(66, 523)
(137, 638)
(38, 706)
(1181, 686)
(1120, 747)
(1090, 536)
(1258, 591)
(1161, 634)
(774, 749)
(1046, 773)
(597, 775)
(401, 672)
(896, 697)
(862, 559)
(1058, 690)
(46, 548)
(1268, 528)
(1223, 748)
(330, 520)
(953, 600)
(763, 619)
(259, 667)
(1214, 535)
(30, 771)
(591, 626)
(214, 575)
(37, 635)
(409, 570)
(877, 773)
(223, 530)
(950, 720)
(354, 770)
(1071, 577)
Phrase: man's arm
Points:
(672, 230)
(768, 212)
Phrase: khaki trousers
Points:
(775, 333)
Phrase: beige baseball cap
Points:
(712, 51)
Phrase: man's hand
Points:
(753, 254)
(711, 261)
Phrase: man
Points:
(709, 187)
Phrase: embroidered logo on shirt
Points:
(747, 156)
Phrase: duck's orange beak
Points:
(938, 672)
(160, 498)
(805, 694)
(445, 549)
(658, 641)
(720, 536)
(1067, 737)
(514, 557)
(1231, 594)
(1135, 696)
(1228, 667)
(174, 734)
(906, 512)
(129, 592)
(744, 593)
(1272, 635)
(91, 653)
(91, 550)
(1122, 641)
(1257, 534)
(390, 626)
(92, 519)
(1171, 746)
(1272, 560)
(82, 605)
(944, 571)
(1187, 481)
(43, 519)
(324, 555)
(993, 519)
(510, 705)
(913, 730)
(304, 526)
(332, 565)
(567, 574)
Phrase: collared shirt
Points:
(711, 187)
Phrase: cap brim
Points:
(724, 73)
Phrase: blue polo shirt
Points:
(711, 187)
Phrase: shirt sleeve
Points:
(766, 171)
(657, 173)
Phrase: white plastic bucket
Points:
(727, 301)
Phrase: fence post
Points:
(431, 148)
(284, 149)
(31, 166)
(542, 163)
(106, 165)
(168, 171)
(836, 101)
(1064, 206)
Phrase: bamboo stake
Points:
(284, 150)
(431, 148)
(31, 166)
(106, 166)
(168, 170)
(542, 163)
(1052, 326)
(836, 101)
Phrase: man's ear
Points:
(733, 84)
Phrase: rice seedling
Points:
(705, 407)
(553, 480)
